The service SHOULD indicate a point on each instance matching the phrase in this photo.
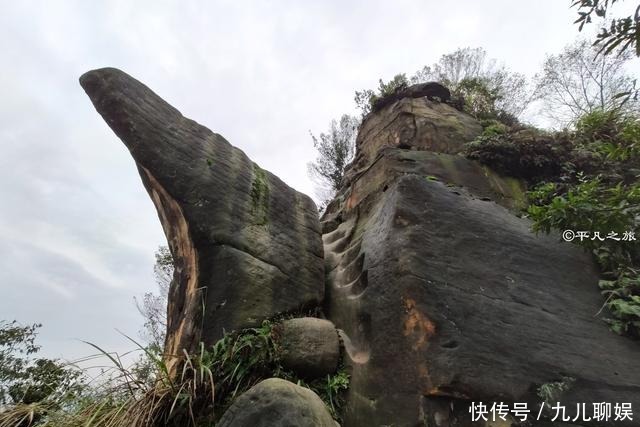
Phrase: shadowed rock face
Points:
(446, 297)
(246, 245)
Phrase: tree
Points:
(153, 307)
(25, 379)
(488, 89)
(335, 150)
(16, 344)
(620, 33)
(480, 99)
(578, 81)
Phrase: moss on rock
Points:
(259, 196)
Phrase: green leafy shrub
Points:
(479, 98)
(628, 144)
(603, 143)
(598, 125)
(612, 133)
(241, 360)
(603, 199)
(34, 386)
(493, 127)
(521, 152)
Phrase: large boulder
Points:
(246, 246)
(310, 346)
(277, 403)
(446, 297)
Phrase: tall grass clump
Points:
(146, 395)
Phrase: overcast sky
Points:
(77, 229)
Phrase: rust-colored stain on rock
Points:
(184, 296)
(351, 201)
(417, 326)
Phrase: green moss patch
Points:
(259, 196)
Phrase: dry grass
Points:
(209, 381)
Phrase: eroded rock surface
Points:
(445, 296)
(413, 123)
(246, 245)
(442, 293)
(277, 403)
(310, 346)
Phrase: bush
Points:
(521, 152)
(615, 134)
(493, 128)
(479, 99)
(598, 125)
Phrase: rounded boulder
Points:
(277, 403)
(310, 346)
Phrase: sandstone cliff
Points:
(445, 296)
(442, 294)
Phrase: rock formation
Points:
(246, 246)
(442, 293)
(310, 346)
(445, 296)
(277, 403)
(413, 123)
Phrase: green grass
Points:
(207, 384)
